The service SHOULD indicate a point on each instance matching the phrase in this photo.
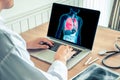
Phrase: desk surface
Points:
(104, 39)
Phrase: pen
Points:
(88, 60)
(93, 61)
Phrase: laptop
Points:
(70, 25)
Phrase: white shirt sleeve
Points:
(58, 69)
(14, 65)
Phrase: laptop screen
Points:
(73, 24)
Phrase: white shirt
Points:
(15, 63)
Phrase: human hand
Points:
(36, 44)
(64, 53)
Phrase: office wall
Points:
(23, 6)
(25, 15)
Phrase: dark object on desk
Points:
(112, 54)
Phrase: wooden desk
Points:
(104, 39)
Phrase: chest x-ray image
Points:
(69, 28)
(97, 72)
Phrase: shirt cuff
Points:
(58, 69)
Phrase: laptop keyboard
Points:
(57, 45)
(77, 52)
